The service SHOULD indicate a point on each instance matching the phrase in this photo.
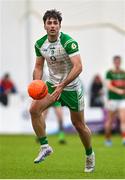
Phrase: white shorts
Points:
(114, 105)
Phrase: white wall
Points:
(13, 41)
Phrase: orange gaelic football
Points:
(37, 89)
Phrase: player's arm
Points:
(38, 69)
(113, 88)
(75, 71)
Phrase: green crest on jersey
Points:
(69, 44)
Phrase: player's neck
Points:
(117, 69)
(53, 38)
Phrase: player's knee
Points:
(34, 111)
(79, 125)
(107, 124)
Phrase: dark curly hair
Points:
(116, 57)
(53, 13)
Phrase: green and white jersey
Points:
(57, 55)
(118, 80)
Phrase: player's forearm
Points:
(113, 89)
(72, 75)
(37, 74)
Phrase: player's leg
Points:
(45, 112)
(59, 114)
(85, 136)
(36, 109)
(122, 124)
(84, 132)
(108, 126)
(58, 110)
(44, 115)
(38, 122)
(112, 106)
(75, 101)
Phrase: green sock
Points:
(43, 140)
(88, 151)
(61, 135)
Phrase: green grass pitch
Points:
(17, 153)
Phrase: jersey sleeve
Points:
(109, 75)
(71, 47)
(37, 50)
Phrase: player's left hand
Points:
(58, 90)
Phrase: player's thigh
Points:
(110, 116)
(122, 115)
(112, 105)
(121, 110)
(45, 112)
(50, 91)
(77, 117)
(74, 100)
(40, 105)
(58, 112)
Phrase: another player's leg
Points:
(108, 127)
(59, 114)
(122, 124)
(85, 136)
(36, 109)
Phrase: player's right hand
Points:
(121, 91)
(57, 92)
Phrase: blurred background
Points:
(99, 28)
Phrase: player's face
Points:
(117, 63)
(52, 26)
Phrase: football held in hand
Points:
(37, 89)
